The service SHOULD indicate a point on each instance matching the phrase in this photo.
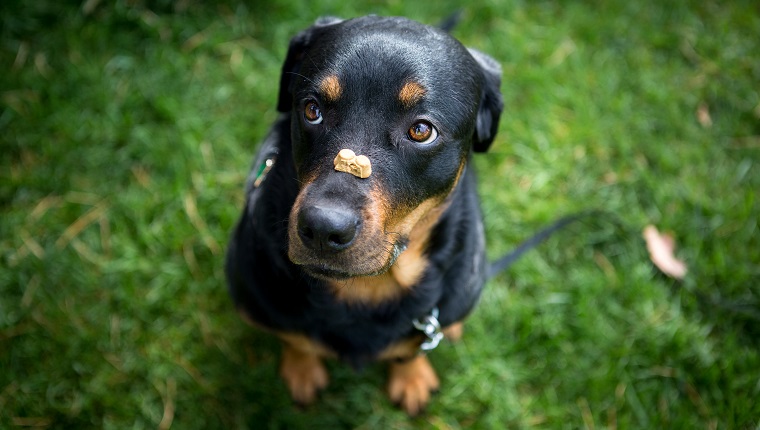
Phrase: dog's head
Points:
(407, 96)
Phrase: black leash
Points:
(504, 262)
(746, 311)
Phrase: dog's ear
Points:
(491, 102)
(295, 57)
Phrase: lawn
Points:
(126, 133)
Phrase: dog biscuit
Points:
(347, 161)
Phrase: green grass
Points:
(126, 132)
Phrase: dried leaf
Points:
(703, 115)
(661, 249)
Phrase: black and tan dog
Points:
(367, 258)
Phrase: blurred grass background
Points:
(126, 132)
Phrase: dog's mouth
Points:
(335, 271)
(325, 272)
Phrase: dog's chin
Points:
(329, 272)
(326, 273)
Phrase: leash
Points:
(528, 244)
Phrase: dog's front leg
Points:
(411, 382)
(303, 372)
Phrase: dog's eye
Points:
(312, 112)
(423, 132)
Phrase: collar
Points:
(263, 169)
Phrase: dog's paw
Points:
(411, 383)
(304, 374)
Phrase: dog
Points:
(362, 238)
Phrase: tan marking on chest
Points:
(411, 264)
(368, 289)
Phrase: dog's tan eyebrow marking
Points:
(411, 93)
(331, 88)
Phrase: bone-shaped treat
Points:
(347, 161)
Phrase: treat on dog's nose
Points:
(347, 161)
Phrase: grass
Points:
(126, 132)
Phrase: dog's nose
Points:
(327, 229)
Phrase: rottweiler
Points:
(362, 237)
